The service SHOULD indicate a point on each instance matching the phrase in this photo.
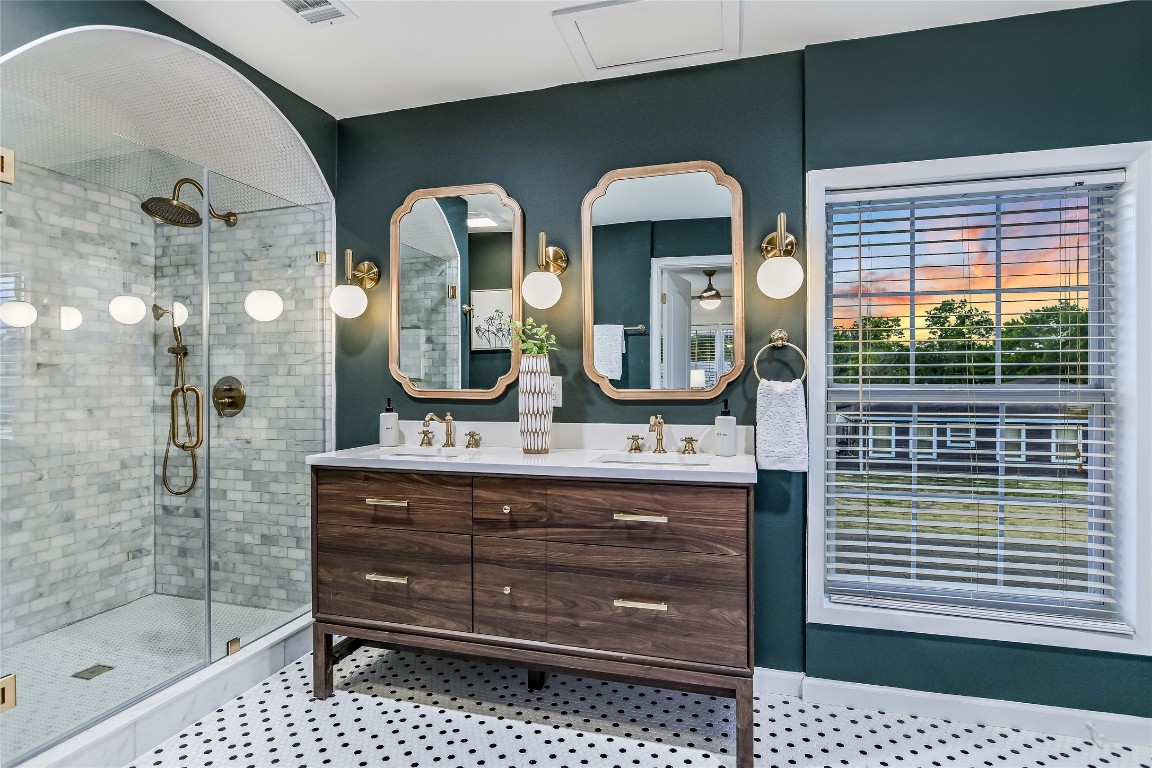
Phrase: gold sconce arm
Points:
(770, 247)
(365, 274)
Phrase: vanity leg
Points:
(321, 663)
(536, 679)
(745, 742)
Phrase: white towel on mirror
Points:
(781, 426)
(608, 350)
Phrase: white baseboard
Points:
(120, 739)
(1109, 727)
(777, 682)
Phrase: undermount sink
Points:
(659, 459)
(408, 452)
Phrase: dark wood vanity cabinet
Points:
(644, 582)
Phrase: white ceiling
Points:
(409, 53)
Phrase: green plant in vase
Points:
(534, 342)
(532, 337)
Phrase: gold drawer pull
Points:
(622, 603)
(389, 579)
(640, 518)
(387, 502)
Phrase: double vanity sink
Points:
(577, 462)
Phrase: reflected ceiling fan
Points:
(710, 297)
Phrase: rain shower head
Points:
(171, 211)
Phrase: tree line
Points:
(1049, 342)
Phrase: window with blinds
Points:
(970, 400)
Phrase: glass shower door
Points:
(268, 341)
(101, 570)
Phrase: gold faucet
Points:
(449, 427)
(689, 445)
(656, 424)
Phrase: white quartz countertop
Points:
(563, 462)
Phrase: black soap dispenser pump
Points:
(725, 436)
(389, 427)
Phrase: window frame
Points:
(915, 453)
(1002, 441)
(891, 438)
(1055, 455)
(1133, 446)
(969, 443)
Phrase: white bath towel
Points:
(781, 426)
(608, 350)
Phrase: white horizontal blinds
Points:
(970, 391)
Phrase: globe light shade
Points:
(17, 314)
(263, 305)
(541, 290)
(779, 277)
(70, 318)
(179, 313)
(348, 301)
(709, 303)
(128, 310)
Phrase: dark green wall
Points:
(22, 21)
(1072, 78)
(489, 269)
(547, 149)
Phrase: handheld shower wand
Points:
(179, 405)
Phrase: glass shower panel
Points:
(268, 339)
(96, 611)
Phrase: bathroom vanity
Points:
(581, 561)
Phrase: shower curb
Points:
(121, 738)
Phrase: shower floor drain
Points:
(93, 671)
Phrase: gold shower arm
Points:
(229, 218)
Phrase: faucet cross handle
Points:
(635, 446)
(426, 439)
(473, 439)
(689, 445)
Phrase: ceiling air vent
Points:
(319, 11)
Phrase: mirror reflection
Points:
(664, 310)
(456, 264)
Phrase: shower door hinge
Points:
(321, 257)
(7, 166)
(7, 692)
(233, 645)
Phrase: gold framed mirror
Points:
(663, 280)
(457, 258)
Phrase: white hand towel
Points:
(781, 426)
(608, 350)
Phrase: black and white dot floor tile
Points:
(395, 709)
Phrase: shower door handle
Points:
(188, 445)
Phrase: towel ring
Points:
(777, 339)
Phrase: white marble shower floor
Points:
(146, 642)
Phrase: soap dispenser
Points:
(725, 432)
(389, 427)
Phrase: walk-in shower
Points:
(144, 534)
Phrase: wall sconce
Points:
(70, 318)
(263, 306)
(350, 300)
(18, 314)
(128, 310)
(542, 289)
(780, 275)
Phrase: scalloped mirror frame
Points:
(667, 169)
(394, 290)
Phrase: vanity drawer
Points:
(680, 606)
(509, 507)
(686, 518)
(509, 587)
(403, 577)
(424, 502)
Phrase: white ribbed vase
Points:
(535, 403)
